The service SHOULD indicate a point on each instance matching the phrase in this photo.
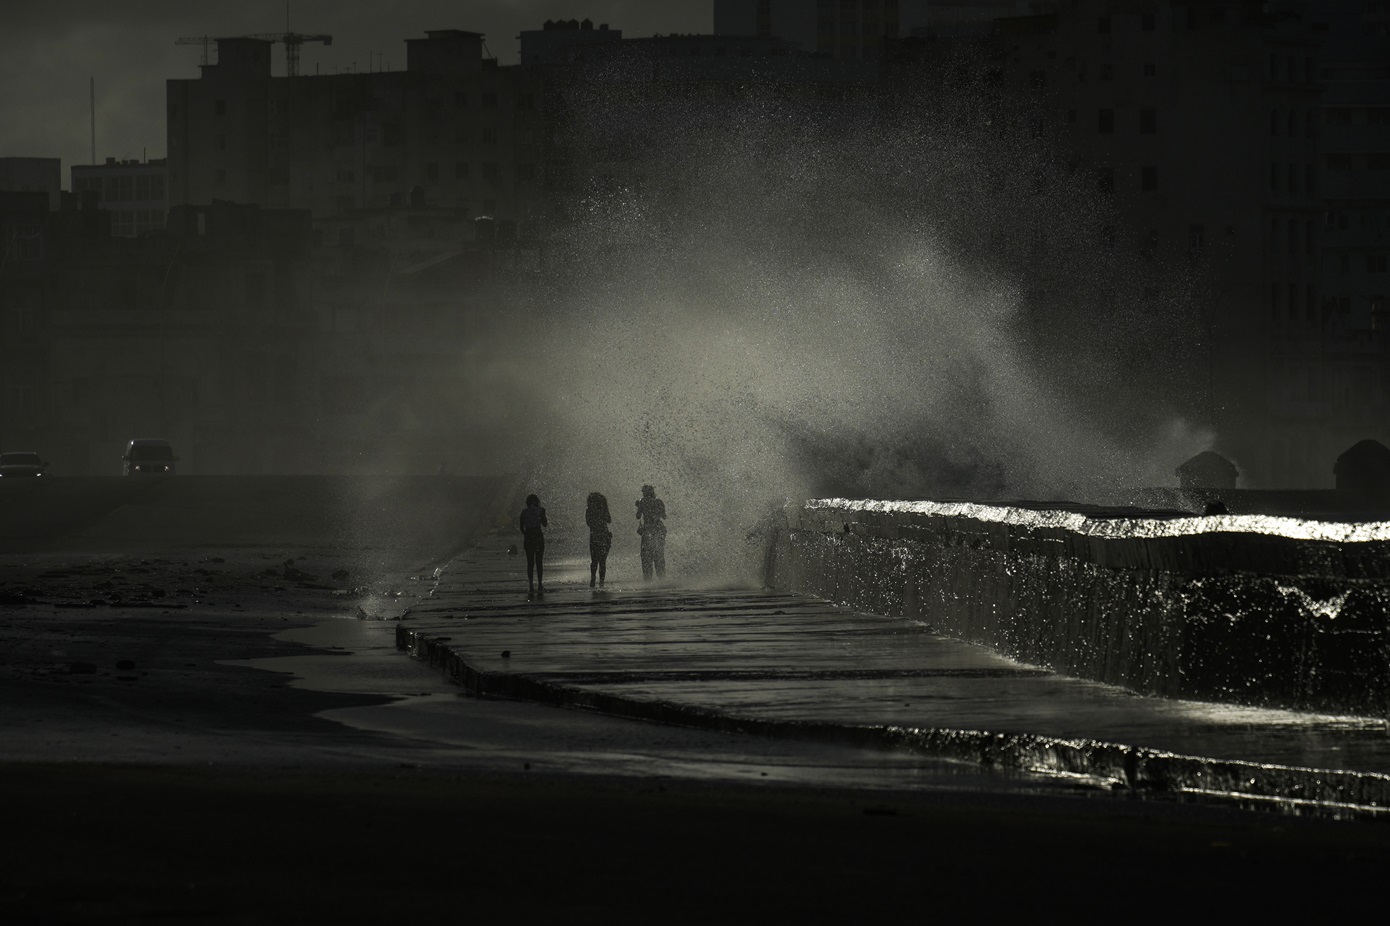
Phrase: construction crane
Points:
(291, 41)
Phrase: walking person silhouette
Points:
(651, 517)
(600, 537)
(533, 522)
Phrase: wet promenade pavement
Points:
(768, 663)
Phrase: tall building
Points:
(453, 129)
(134, 192)
(1199, 122)
(838, 28)
(1354, 185)
(563, 38)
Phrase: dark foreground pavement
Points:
(144, 845)
(745, 660)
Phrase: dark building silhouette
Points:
(1364, 469)
(1207, 470)
(454, 127)
(1239, 144)
(323, 227)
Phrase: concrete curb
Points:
(1116, 766)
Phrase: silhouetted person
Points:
(533, 522)
(651, 527)
(600, 537)
(1215, 507)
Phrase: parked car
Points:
(148, 456)
(21, 464)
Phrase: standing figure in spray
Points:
(651, 527)
(600, 537)
(533, 521)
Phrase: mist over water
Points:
(764, 300)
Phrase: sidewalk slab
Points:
(756, 661)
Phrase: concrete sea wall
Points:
(1248, 609)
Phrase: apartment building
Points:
(134, 192)
(1199, 122)
(453, 129)
(1354, 178)
(837, 28)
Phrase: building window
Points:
(461, 170)
(1148, 121)
(1105, 121)
(1071, 117)
(525, 101)
(431, 171)
(1107, 71)
(1375, 263)
(1274, 301)
(1310, 305)
(1274, 122)
(489, 136)
(1105, 179)
(490, 171)
(1103, 25)
(1150, 69)
(1149, 179)
(460, 97)
(391, 134)
(1037, 79)
(489, 101)
(525, 172)
(1273, 177)
(220, 107)
(1146, 22)
(221, 176)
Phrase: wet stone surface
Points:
(792, 663)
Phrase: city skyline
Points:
(50, 55)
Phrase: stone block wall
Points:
(1252, 610)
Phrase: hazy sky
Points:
(50, 49)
